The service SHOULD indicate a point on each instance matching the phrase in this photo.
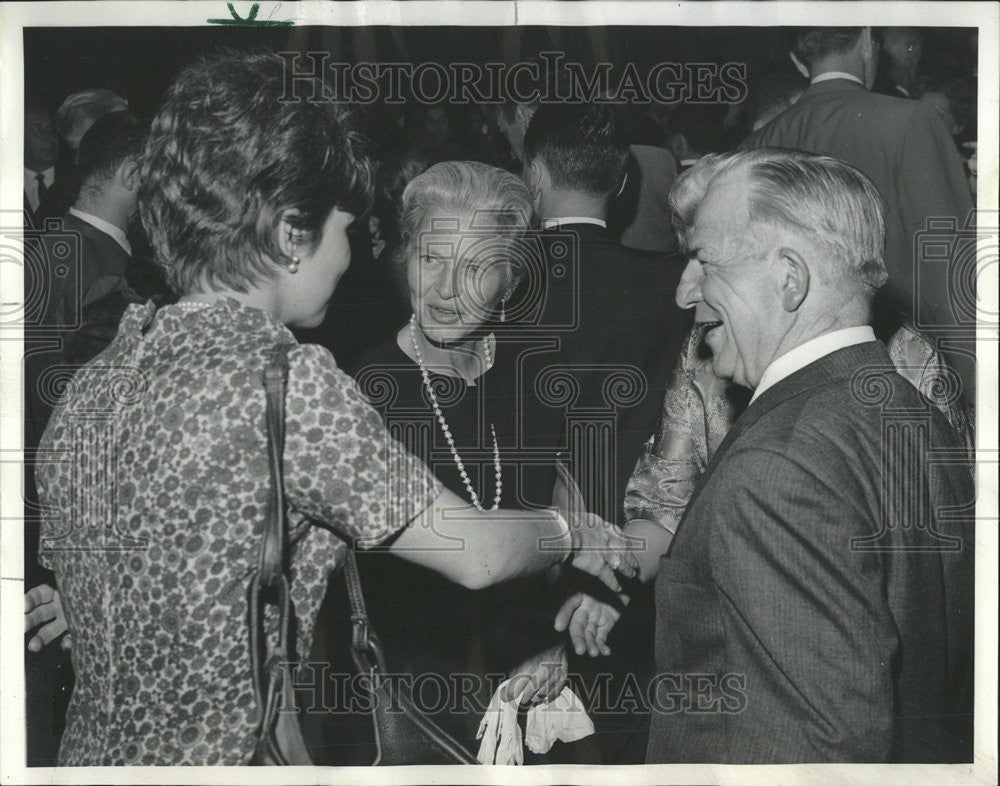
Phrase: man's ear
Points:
(799, 65)
(128, 175)
(794, 279)
(537, 175)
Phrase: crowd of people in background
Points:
(601, 171)
(406, 140)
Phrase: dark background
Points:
(139, 63)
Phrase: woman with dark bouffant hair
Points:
(159, 500)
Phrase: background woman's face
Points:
(456, 276)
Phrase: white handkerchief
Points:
(563, 719)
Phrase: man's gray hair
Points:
(827, 201)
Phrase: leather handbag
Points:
(403, 734)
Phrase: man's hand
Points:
(541, 678)
(600, 548)
(42, 604)
(589, 622)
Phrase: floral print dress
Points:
(154, 477)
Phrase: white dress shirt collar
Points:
(554, 223)
(116, 233)
(809, 352)
(835, 75)
(31, 183)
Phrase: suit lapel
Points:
(838, 366)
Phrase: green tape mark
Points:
(250, 20)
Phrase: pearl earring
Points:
(503, 310)
(294, 266)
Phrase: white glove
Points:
(499, 732)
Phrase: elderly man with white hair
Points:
(815, 602)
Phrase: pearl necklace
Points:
(192, 305)
(447, 432)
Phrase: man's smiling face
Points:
(729, 284)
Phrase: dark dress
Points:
(431, 626)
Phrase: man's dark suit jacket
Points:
(816, 604)
(59, 197)
(903, 146)
(104, 263)
(614, 333)
(77, 266)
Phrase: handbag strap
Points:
(274, 546)
(279, 737)
(364, 641)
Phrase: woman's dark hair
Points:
(230, 154)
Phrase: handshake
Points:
(601, 549)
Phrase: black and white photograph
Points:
(499, 392)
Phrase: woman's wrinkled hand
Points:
(42, 604)
(541, 678)
(589, 622)
(600, 548)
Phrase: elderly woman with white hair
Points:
(445, 383)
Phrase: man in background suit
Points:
(904, 147)
(816, 601)
(636, 214)
(105, 208)
(41, 149)
(102, 257)
(609, 307)
(610, 334)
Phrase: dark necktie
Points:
(42, 188)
